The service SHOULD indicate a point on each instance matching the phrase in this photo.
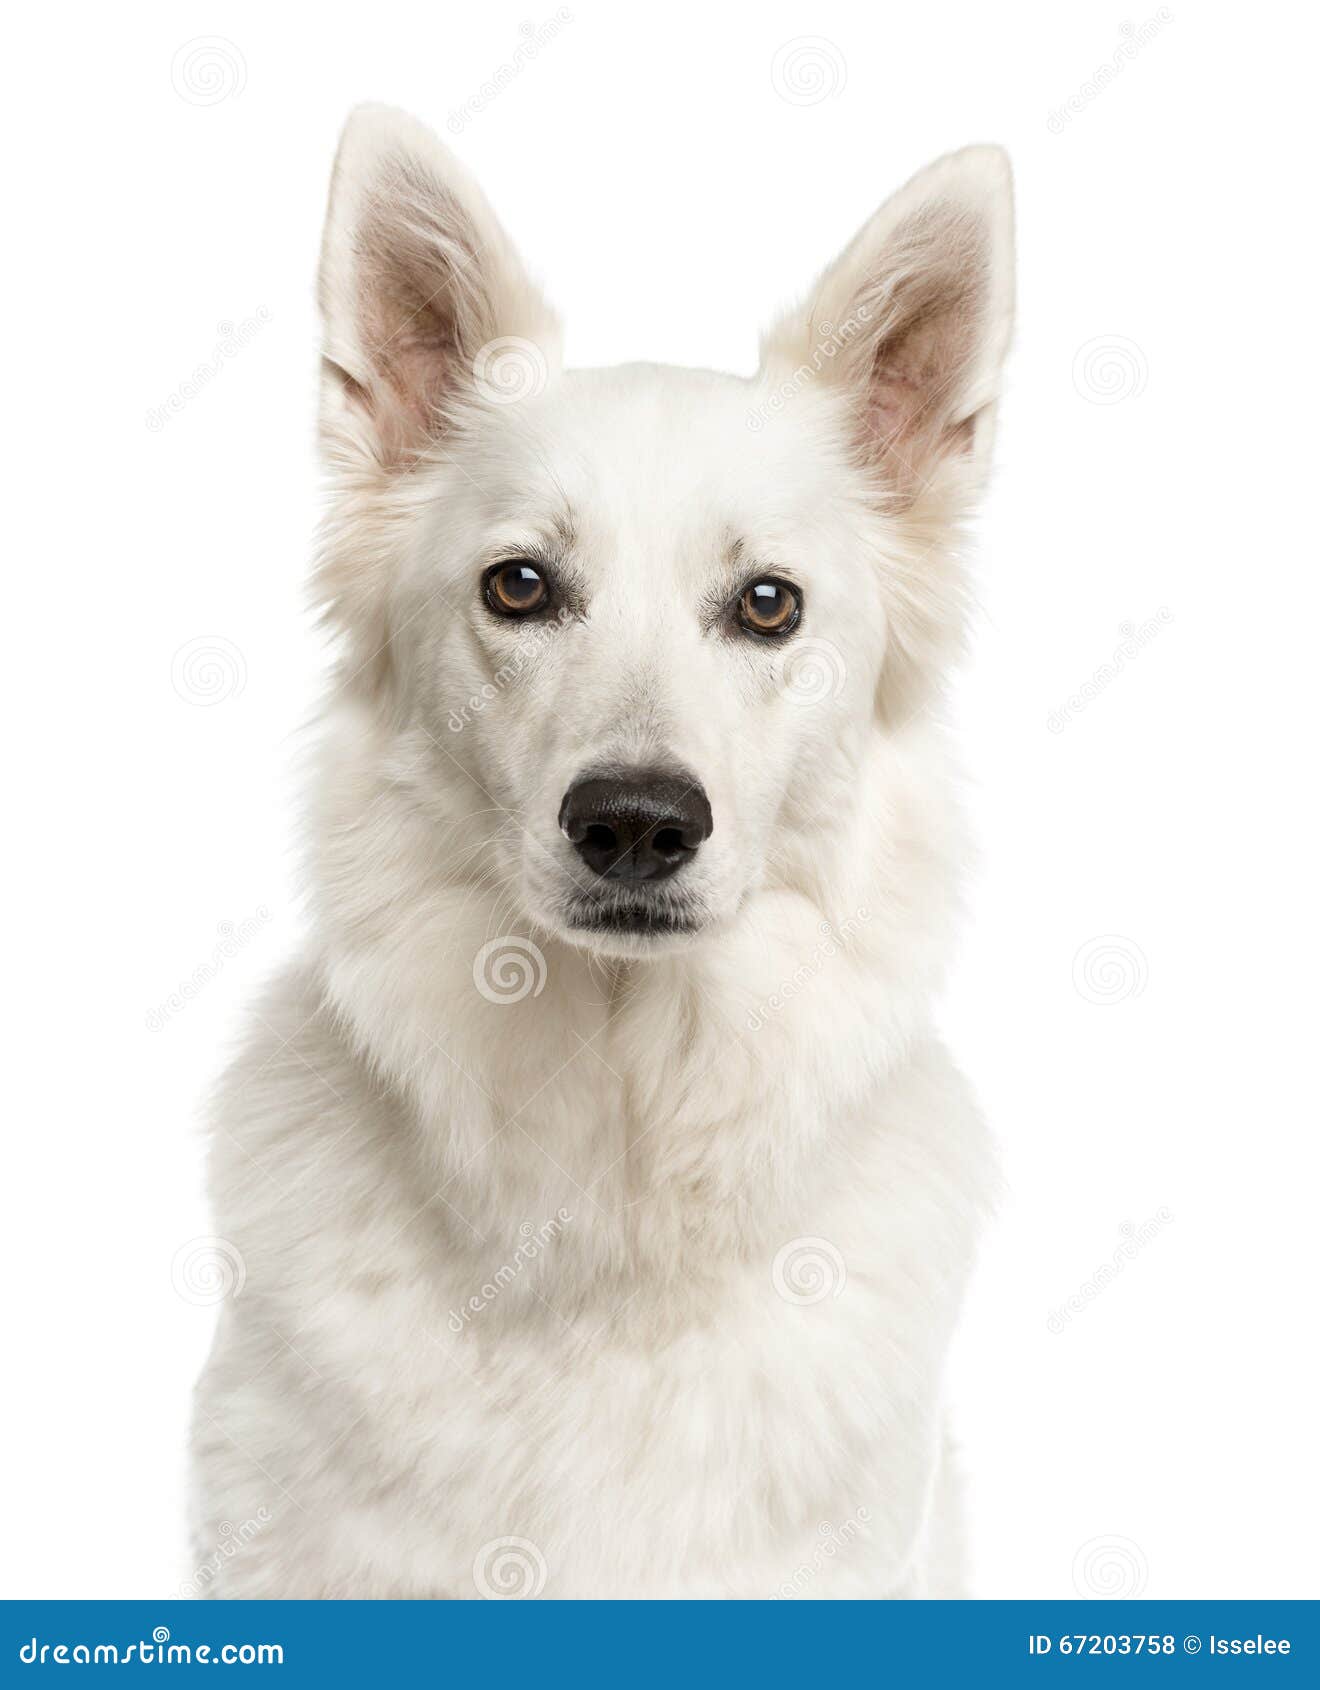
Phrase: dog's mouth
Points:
(631, 917)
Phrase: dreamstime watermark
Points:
(235, 936)
(207, 70)
(532, 1240)
(530, 643)
(1110, 969)
(233, 339)
(831, 342)
(509, 1569)
(1133, 640)
(1110, 1566)
(151, 1651)
(208, 670)
(833, 1540)
(832, 941)
(1134, 1241)
(510, 369)
(207, 1271)
(814, 671)
(807, 1271)
(509, 969)
(807, 70)
(231, 1540)
(536, 37)
(1135, 37)
(1109, 368)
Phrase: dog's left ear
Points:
(910, 324)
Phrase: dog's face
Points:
(639, 623)
(647, 619)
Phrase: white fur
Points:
(649, 1394)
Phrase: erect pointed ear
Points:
(426, 305)
(910, 324)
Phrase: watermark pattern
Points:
(207, 70)
(208, 670)
(207, 1271)
(509, 969)
(1109, 369)
(1133, 640)
(536, 36)
(509, 1569)
(1110, 1566)
(231, 1540)
(531, 640)
(532, 1240)
(232, 338)
(808, 1270)
(1110, 969)
(1134, 1241)
(234, 937)
(830, 342)
(510, 369)
(833, 1540)
(814, 671)
(807, 70)
(831, 942)
(1135, 37)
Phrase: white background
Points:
(676, 175)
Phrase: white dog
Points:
(604, 1197)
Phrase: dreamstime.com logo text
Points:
(233, 337)
(231, 1540)
(831, 343)
(1135, 1240)
(529, 645)
(154, 1650)
(234, 937)
(1135, 37)
(833, 1541)
(536, 36)
(532, 1241)
(831, 943)
(1134, 640)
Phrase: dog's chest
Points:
(641, 1349)
(755, 1421)
(694, 1431)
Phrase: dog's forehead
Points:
(653, 449)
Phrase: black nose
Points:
(642, 825)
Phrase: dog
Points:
(603, 1195)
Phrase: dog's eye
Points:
(769, 607)
(516, 589)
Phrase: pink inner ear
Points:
(905, 381)
(418, 277)
(420, 366)
(917, 377)
(928, 310)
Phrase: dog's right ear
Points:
(421, 292)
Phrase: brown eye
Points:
(516, 589)
(769, 607)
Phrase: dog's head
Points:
(629, 634)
